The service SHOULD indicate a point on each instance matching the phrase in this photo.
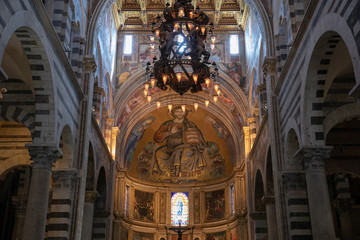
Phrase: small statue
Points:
(2, 90)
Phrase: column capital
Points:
(269, 200)
(91, 196)
(313, 158)
(43, 156)
(269, 65)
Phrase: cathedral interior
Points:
(266, 148)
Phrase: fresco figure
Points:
(182, 154)
(134, 138)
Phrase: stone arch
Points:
(264, 23)
(341, 114)
(100, 207)
(101, 188)
(13, 151)
(135, 84)
(13, 200)
(66, 143)
(99, 7)
(292, 145)
(252, 88)
(90, 172)
(30, 33)
(108, 93)
(269, 188)
(100, 63)
(259, 192)
(259, 217)
(21, 111)
(331, 32)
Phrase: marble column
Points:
(344, 208)
(88, 216)
(313, 161)
(43, 158)
(343, 204)
(271, 217)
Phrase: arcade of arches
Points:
(84, 155)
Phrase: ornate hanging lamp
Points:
(184, 62)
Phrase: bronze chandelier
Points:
(184, 61)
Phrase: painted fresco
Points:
(217, 53)
(215, 205)
(235, 72)
(144, 206)
(216, 236)
(143, 236)
(179, 147)
(146, 54)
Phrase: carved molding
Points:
(89, 63)
(269, 65)
(91, 196)
(269, 200)
(313, 158)
(294, 181)
(64, 178)
(43, 157)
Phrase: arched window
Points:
(179, 209)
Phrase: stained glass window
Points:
(234, 44)
(128, 44)
(232, 202)
(179, 208)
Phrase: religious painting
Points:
(234, 70)
(215, 205)
(146, 54)
(217, 53)
(143, 236)
(144, 206)
(136, 135)
(179, 209)
(176, 237)
(216, 236)
(223, 133)
(179, 147)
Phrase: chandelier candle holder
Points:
(183, 64)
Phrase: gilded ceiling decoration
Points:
(137, 15)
